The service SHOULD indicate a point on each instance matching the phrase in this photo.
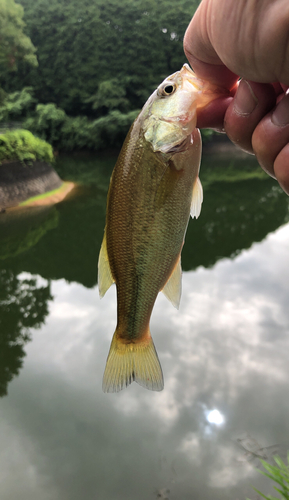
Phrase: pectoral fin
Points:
(105, 278)
(173, 287)
(197, 199)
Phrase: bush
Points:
(69, 133)
(46, 122)
(17, 104)
(24, 146)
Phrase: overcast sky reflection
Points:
(225, 360)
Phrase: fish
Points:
(154, 188)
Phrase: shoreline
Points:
(49, 198)
(31, 184)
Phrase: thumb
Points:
(201, 54)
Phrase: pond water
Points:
(224, 354)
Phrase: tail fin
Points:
(129, 362)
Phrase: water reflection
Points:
(215, 417)
(20, 231)
(234, 215)
(253, 451)
(64, 242)
(224, 354)
(23, 305)
(68, 251)
(163, 494)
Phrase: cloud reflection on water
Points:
(226, 349)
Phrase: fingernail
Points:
(280, 115)
(245, 100)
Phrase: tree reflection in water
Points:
(23, 305)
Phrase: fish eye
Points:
(167, 89)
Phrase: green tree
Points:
(15, 46)
(98, 63)
(110, 95)
(87, 48)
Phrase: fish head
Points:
(170, 114)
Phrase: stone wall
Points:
(19, 181)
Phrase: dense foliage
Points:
(16, 104)
(15, 46)
(64, 132)
(22, 145)
(101, 55)
(98, 63)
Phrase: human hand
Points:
(228, 39)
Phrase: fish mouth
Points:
(188, 74)
(209, 90)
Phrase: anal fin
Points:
(105, 278)
(173, 287)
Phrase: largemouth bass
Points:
(153, 190)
